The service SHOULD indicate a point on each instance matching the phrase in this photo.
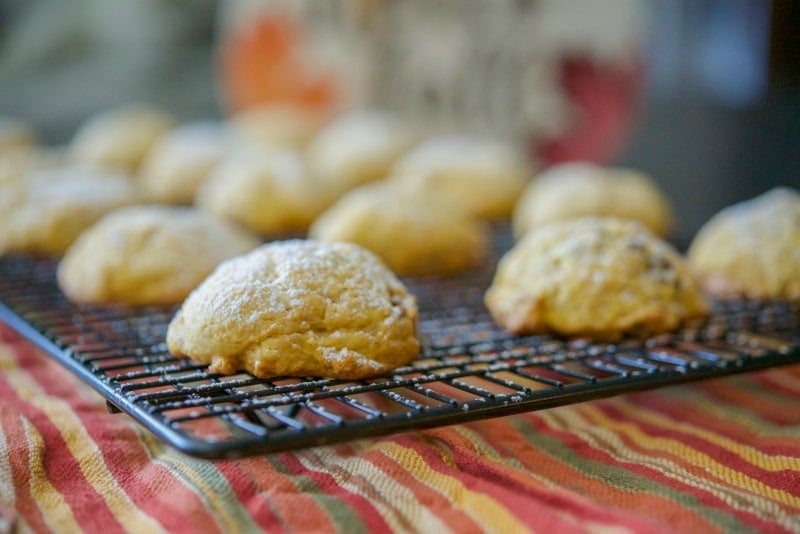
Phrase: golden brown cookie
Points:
(573, 190)
(270, 192)
(483, 176)
(414, 235)
(597, 277)
(144, 255)
(277, 126)
(752, 249)
(358, 148)
(44, 212)
(181, 159)
(299, 308)
(120, 138)
(18, 164)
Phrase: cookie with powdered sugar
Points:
(299, 308)
(144, 255)
(752, 249)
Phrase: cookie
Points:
(181, 159)
(414, 235)
(270, 192)
(358, 148)
(299, 308)
(573, 190)
(598, 277)
(144, 255)
(44, 212)
(279, 126)
(752, 249)
(15, 136)
(120, 138)
(483, 176)
(18, 164)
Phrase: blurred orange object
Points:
(560, 77)
(263, 63)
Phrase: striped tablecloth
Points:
(722, 455)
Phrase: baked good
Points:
(142, 255)
(597, 277)
(359, 147)
(276, 125)
(482, 175)
(181, 159)
(18, 164)
(45, 211)
(299, 308)
(752, 249)
(572, 190)
(413, 234)
(15, 136)
(120, 138)
(269, 191)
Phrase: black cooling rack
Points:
(468, 368)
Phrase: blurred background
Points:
(704, 95)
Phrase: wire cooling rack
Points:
(468, 368)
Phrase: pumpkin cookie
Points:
(277, 126)
(413, 234)
(752, 249)
(120, 138)
(144, 255)
(44, 212)
(483, 176)
(181, 159)
(573, 190)
(358, 148)
(299, 308)
(597, 277)
(270, 192)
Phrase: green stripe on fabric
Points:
(341, 515)
(205, 481)
(622, 478)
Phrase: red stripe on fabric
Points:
(328, 485)
(680, 408)
(648, 505)
(285, 495)
(151, 486)
(435, 500)
(247, 493)
(737, 391)
(547, 508)
(19, 458)
(783, 480)
(703, 496)
(781, 381)
(62, 469)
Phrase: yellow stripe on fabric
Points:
(7, 494)
(86, 453)
(513, 467)
(483, 509)
(695, 457)
(205, 480)
(603, 438)
(376, 486)
(749, 454)
(52, 504)
(713, 408)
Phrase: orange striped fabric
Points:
(719, 456)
